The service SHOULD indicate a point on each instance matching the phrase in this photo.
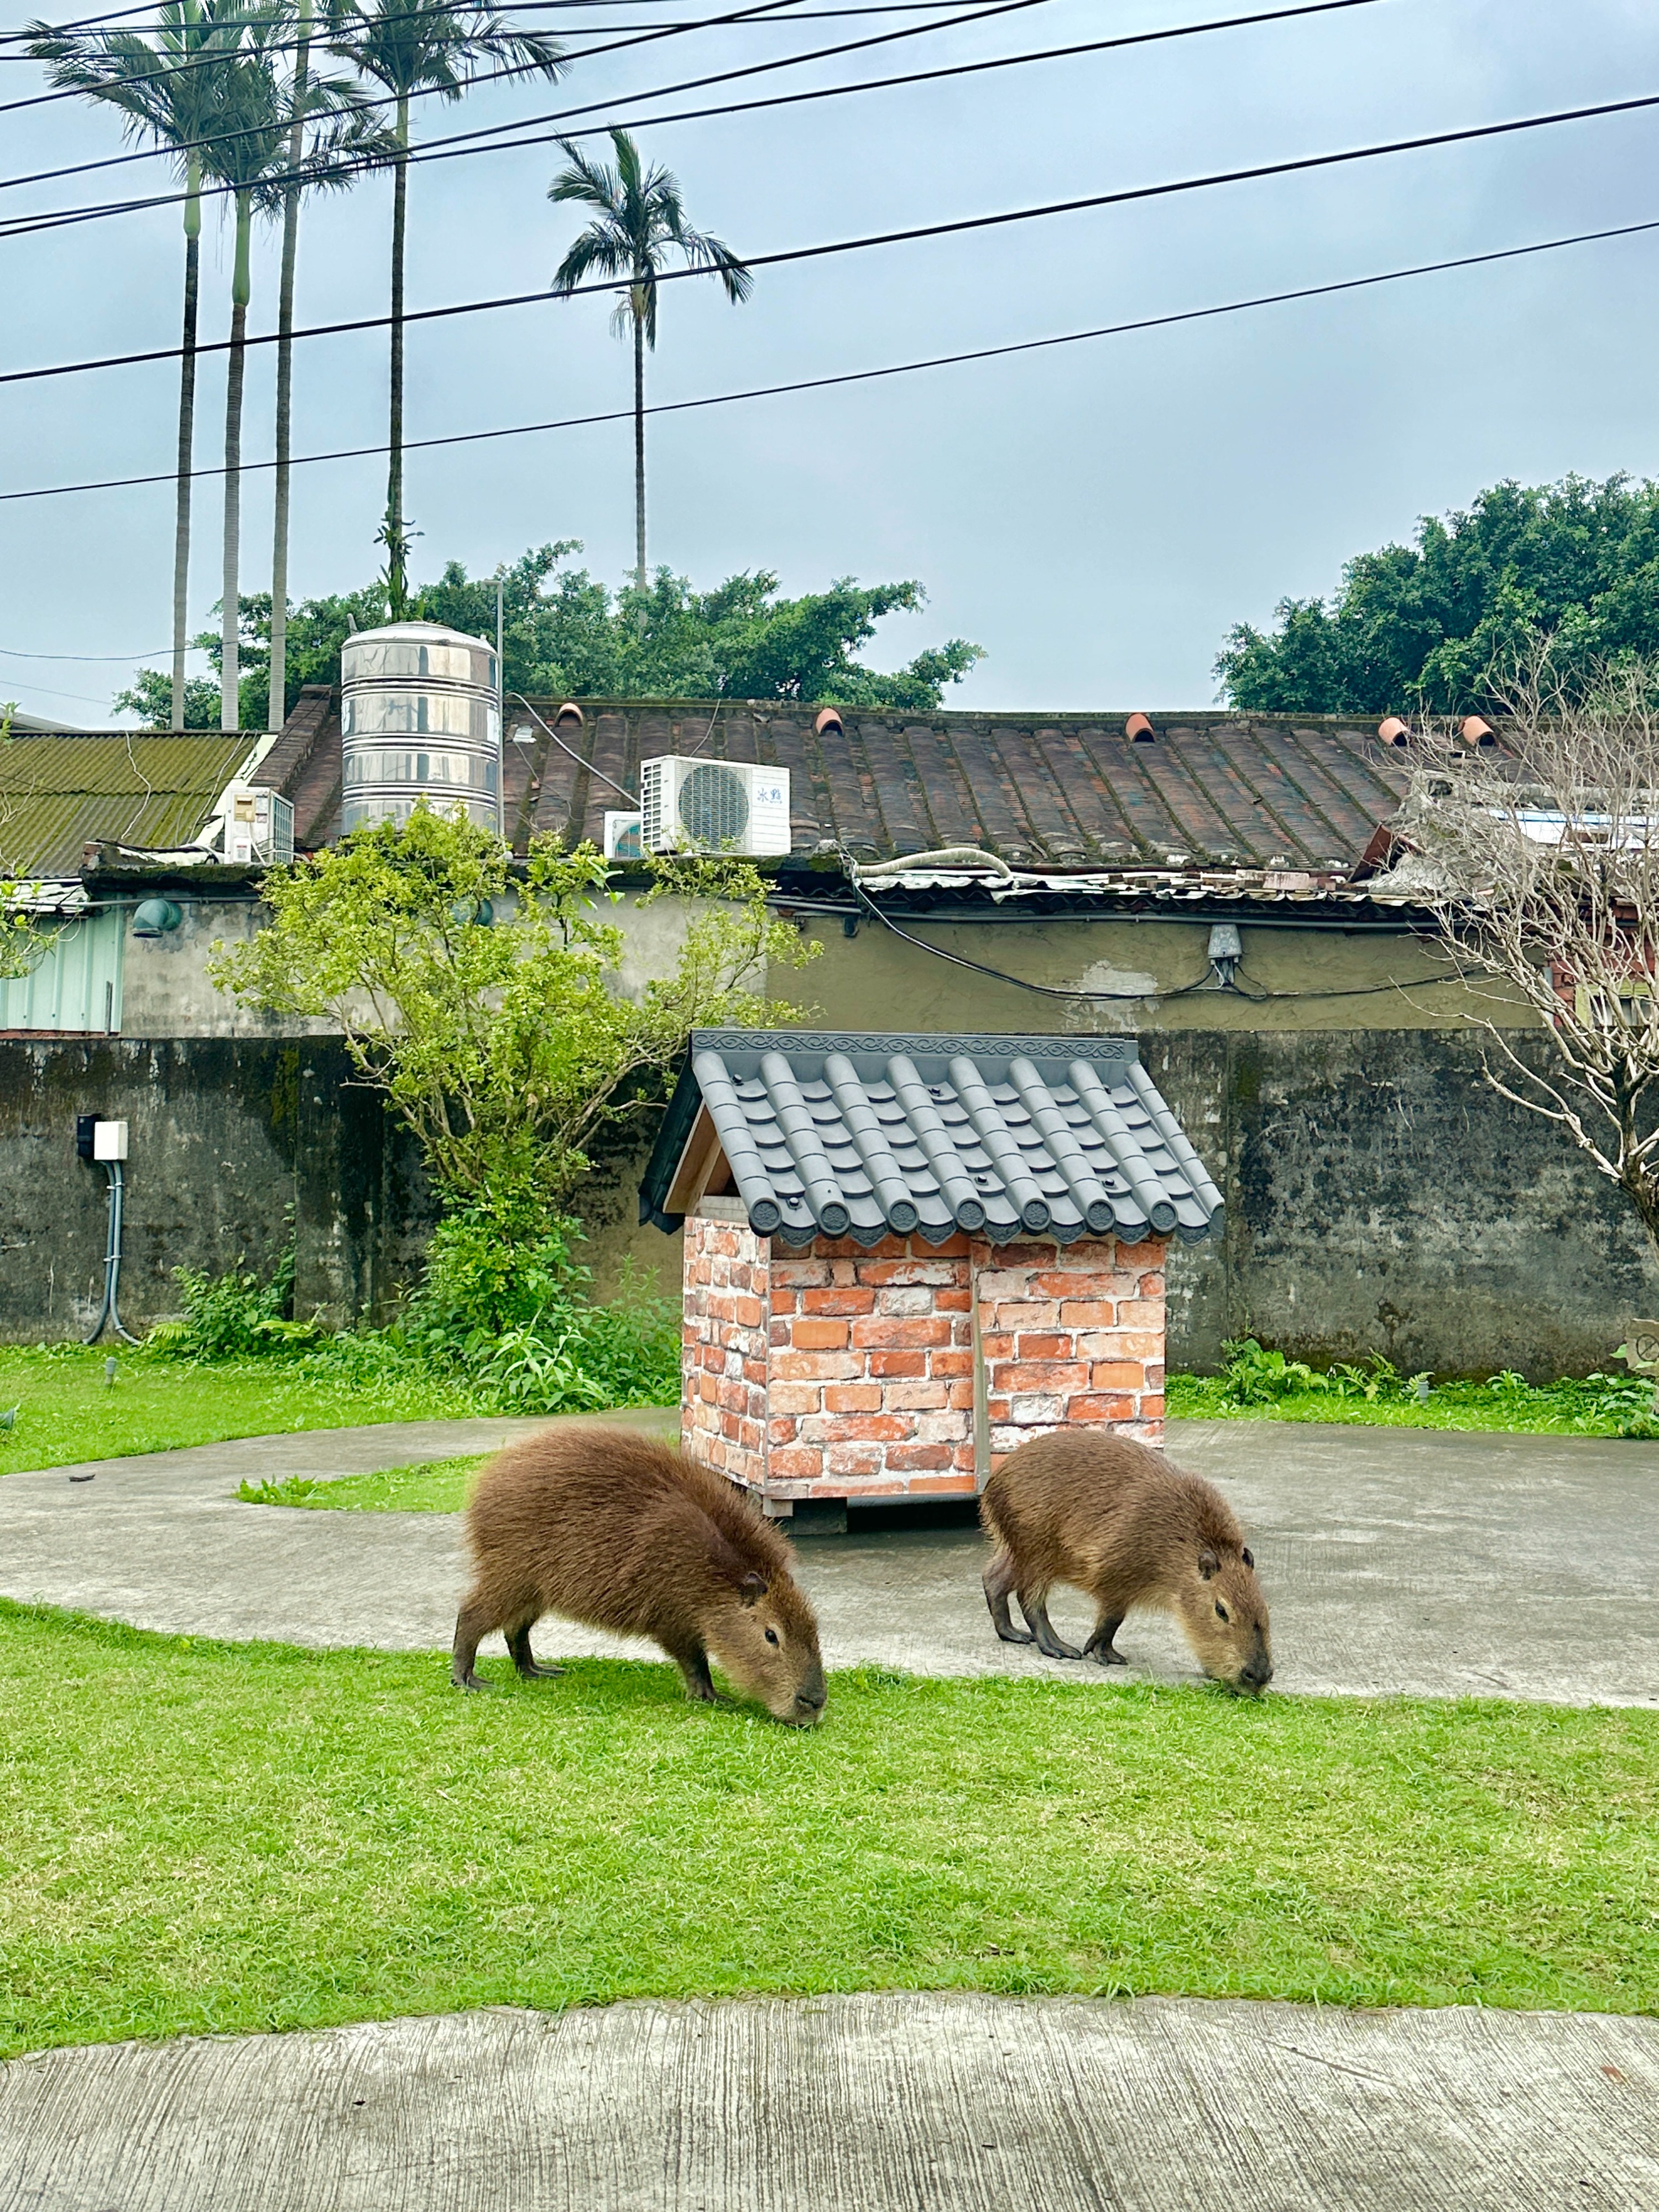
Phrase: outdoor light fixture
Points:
(1226, 950)
(156, 917)
(1394, 732)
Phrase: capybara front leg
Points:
(693, 1663)
(472, 1625)
(523, 1659)
(998, 1581)
(1035, 1610)
(1100, 1645)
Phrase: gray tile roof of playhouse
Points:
(864, 1134)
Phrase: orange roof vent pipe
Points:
(570, 712)
(1394, 732)
(1475, 731)
(829, 718)
(1139, 732)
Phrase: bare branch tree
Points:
(1539, 855)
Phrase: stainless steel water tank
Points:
(420, 717)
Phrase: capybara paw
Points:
(1016, 1636)
(1059, 1650)
(537, 1673)
(1104, 1658)
(468, 1682)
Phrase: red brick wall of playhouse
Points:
(842, 1371)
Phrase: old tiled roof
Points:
(58, 794)
(1295, 797)
(864, 1134)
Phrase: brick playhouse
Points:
(906, 1255)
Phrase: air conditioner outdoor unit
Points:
(254, 824)
(622, 835)
(714, 806)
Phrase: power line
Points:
(960, 226)
(763, 8)
(436, 149)
(895, 368)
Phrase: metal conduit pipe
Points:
(736, 1140)
(886, 1177)
(955, 1186)
(109, 1312)
(989, 1127)
(1173, 1136)
(800, 1132)
(1093, 1199)
(1121, 1143)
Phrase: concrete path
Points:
(1395, 1561)
(866, 2103)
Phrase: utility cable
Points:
(873, 375)
(763, 8)
(960, 226)
(631, 797)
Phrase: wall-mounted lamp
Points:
(1226, 950)
(156, 917)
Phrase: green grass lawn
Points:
(1543, 1411)
(203, 1839)
(66, 1411)
(432, 1485)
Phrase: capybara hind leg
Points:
(518, 1644)
(1035, 1610)
(1101, 1646)
(693, 1663)
(999, 1580)
(472, 1624)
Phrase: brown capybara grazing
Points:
(1114, 1519)
(617, 1531)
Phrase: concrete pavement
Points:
(1395, 1561)
(907, 2103)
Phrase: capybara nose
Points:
(1257, 1675)
(809, 1704)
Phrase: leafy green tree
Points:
(407, 46)
(479, 995)
(1418, 627)
(639, 220)
(565, 634)
(164, 88)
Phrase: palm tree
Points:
(640, 217)
(248, 150)
(172, 106)
(409, 47)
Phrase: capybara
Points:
(1114, 1519)
(618, 1530)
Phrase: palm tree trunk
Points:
(277, 709)
(186, 439)
(639, 451)
(396, 578)
(230, 712)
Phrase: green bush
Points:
(233, 1317)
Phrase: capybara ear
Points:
(1208, 1564)
(753, 1588)
(1247, 1556)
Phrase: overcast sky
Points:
(1095, 517)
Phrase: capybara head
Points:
(1226, 1617)
(765, 1637)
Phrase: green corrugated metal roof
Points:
(149, 790)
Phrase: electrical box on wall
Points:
(109, 1141)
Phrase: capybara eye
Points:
(771, 1635)
(1220, 1612)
